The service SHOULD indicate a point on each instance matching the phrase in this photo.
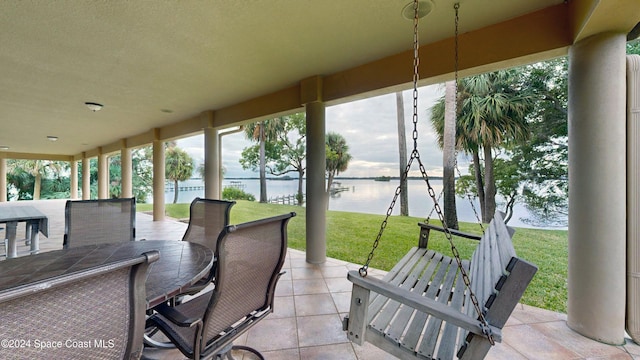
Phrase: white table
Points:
(37, 223)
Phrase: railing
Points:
(287, 199)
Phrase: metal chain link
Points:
(456, 68)
(416, 156)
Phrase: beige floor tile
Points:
(535, 345)
(320, 330)
(502, 351)
(342, 300)
(632, 348)
(301, 262)
(301, 273)
(338, 284)
(316, 304)
(263, 337)
(283, 307)
(575, 342)
(371, 352)
(289, 354)
(334, 271)
(284, 288)
(328, 352)
(530, 315)
(309, 286)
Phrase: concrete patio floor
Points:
(312, 300)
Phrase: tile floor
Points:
(312, 299)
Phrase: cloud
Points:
(369, 127)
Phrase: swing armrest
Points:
(413, 300)
(455, 232)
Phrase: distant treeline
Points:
(338, 178)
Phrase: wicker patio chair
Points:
(98, 313)
(207, 219)
(250, 257)
(90, 222)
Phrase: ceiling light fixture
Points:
(52, 138)
(93, 106)
(424, 8)
(4, 147)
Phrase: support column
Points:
(158, 178)
(597, 182)
(126, 170)
(311, 97)
(86, 178)
(103, 176)
(316, 163)
(211, 164)
(73, 192)
(3, 179)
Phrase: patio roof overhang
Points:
(165, 70)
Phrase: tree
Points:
(449, 156)
(263, 132)
(142, 175)
(28, 175)
(493, 114)
(337, 158)
(285, 154)
(402, 150)
(542, 162)
(179, 167)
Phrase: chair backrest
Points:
(97, 313)
(207, 219)
(250, 258)
(90, 222)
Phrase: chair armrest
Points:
(177, 317)
(421, 303)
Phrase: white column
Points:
(86, 178)
(3, 179)
(633, 197)
(126, 170)
(597, 182)
(103, 176)
(73, 192)
(316, 163)
(158, 180)
(211, 164)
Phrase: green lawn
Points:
(350, 237)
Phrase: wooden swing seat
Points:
(422, 309)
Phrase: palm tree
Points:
(38, 169)
(492, 114)
(337, 158)
(402, 149)
(263, 132)
(179, 167)
(449, 156)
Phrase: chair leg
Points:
(249, 349)
(148, 339)
(226, 352)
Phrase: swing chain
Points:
(456, 7)
(416, 156)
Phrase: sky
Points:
(369, 127)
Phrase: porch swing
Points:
(433, 306)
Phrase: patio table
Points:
(181, 264)
(37, 223)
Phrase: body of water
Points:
(359, 195)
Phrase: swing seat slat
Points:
(421, 308)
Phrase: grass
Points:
(350, 237)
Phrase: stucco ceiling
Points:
(153, 63)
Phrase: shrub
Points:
(232, 193)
